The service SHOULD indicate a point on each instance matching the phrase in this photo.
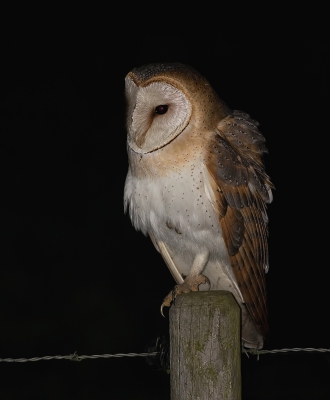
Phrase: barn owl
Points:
(197, 186)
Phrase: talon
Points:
(189, 285)
(208, 281)
(161, 310)
(166, 302)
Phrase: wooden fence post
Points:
(205, 347)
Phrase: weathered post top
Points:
(205, 350)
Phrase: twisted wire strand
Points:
(295, 349)
(76, 357)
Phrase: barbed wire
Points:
(295, 349)
(76, 357)
(257, 352)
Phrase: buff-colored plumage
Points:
(196, 185)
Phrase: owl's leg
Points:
(192, 281)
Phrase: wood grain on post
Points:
(205, 352)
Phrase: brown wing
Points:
(241, 190)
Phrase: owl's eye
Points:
(162, 109)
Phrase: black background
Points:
(74, 274)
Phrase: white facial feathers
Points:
(147, 129)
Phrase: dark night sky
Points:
(76, 276)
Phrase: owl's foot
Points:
(190, 284)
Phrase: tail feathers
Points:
(251, 336)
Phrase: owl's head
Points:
(165, 99)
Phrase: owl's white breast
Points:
(174, 209)
(176, 199)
